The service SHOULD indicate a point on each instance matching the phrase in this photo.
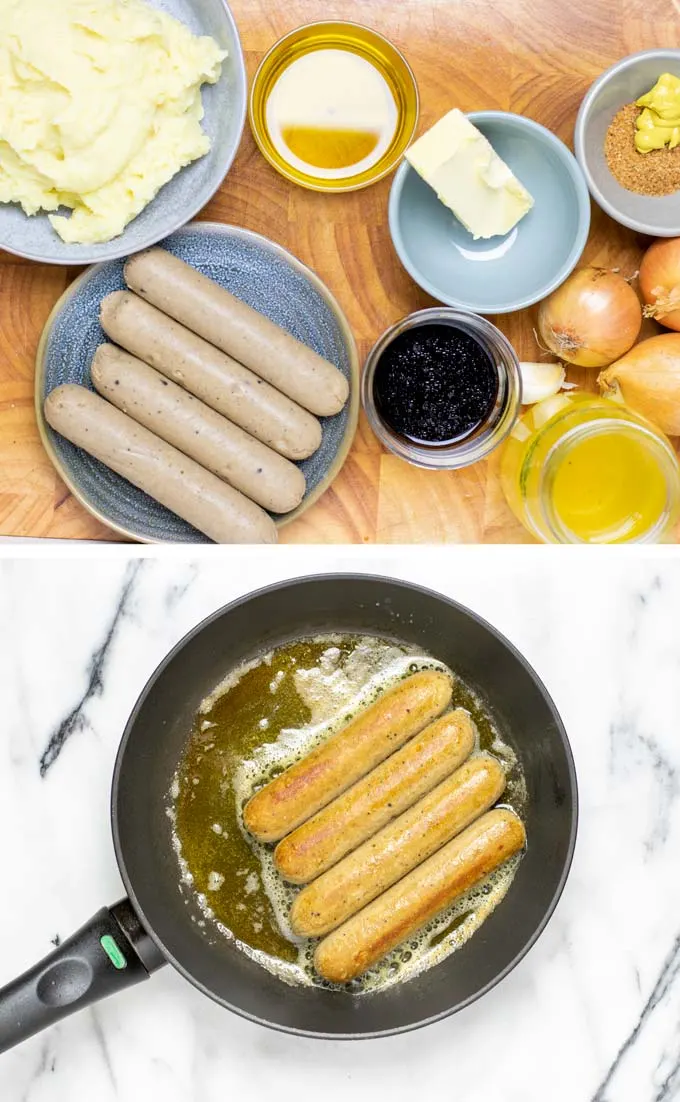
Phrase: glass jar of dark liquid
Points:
(442, 388)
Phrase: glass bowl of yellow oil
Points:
(578, 468)
(333, 106)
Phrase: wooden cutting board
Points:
(535, 57)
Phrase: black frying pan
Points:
(124, 943)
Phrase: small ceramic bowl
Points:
(506, 273)
(623, 83)
(189, 190)
(372, 47)
(254, 269)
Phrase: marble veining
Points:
(590, 1015)
(76, 719)
(629, 1063)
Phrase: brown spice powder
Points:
(653, 173)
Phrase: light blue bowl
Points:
(506, 273)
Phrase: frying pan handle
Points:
(110, 952)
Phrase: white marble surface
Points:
(590, 1015)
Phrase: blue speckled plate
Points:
(258, 271)
(224, 105)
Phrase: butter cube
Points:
(455, 159)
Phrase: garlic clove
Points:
(520, 431)
(540, 380)
(548, 408)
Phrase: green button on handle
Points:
(78, 972)
(113, 952)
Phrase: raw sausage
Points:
(200, 432)
(212, 376)
(196, 495)
(377, 798)
(419, 897)
(398, 848)
(251, 338)
(320, 776)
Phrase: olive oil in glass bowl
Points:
(578, 468)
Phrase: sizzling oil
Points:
(262, 718)
(250, 714)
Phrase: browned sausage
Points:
(320, 776)
(196, 495)
(397, 848)
(251, 338)
(376, 799)
(423, 894)
(217, 380)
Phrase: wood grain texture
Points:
(536, 57)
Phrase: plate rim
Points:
(353, 403)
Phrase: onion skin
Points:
(648, 380)
(592, 319)
(660, 282)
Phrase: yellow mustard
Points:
(658, 125)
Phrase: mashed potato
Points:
(100, 106)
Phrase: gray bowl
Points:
(623, 83)
(503, 273)
(176, 203)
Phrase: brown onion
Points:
(660, 282)
(648, 380)
(592, 319)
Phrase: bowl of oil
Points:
(333, 106)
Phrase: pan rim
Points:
(378, 579)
